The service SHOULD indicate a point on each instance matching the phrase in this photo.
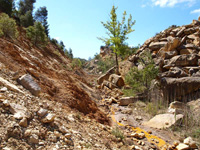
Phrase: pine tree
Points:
(6, 6)
(37, 34)
(26, 12)
(117, 33)
(41, 15)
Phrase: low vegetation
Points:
(8, 27)
(37, 34)
(139, 79)
(117, 133)
(104, 63)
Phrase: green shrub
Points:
(8, 27)
(104, 65)
(117, 133)
(76, 63)
(140, 79)
(36, 34)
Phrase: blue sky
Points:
(78, 22)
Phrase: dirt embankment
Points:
(51, 70)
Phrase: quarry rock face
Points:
(176, 51)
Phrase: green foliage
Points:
(117, 133)
(8, 26)
(129, 92)
(140, 80)
(41, 15)
(76, 63)
(117, 32)
(105, 64)
(6, 6)
(26, 12)
(27, 19)
(36, 34)
(70, 54)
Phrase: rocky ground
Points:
(45, 104)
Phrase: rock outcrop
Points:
(176, 51)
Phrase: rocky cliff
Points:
(176, 52)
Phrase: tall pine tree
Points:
(6, 6)
(41, 15)
(26, 12)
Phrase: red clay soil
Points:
(50, 68)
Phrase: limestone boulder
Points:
(28, 82)
(175, 72)
(106, 75)
(163, 121)
(181, 32)
(182, 146)
(125, 101)
(175, 88)
(116, 80)
(177, 107)
(172, 44)
(157, 45)
(108, 84)
(189, 141)
(183, 60)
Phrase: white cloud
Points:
(196, 11)
(172, 3)
(143, 6)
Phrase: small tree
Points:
(36, 33)
(8, 26)
(117, 33)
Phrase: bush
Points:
(76, 63)
(117, 133)
(36, 34)
(8, 27)
(140, 80)
(104, 65)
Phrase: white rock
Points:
(4, 89)
(10, 85)
(34, 139)
(42, 112)
(182, 146)
(49, 118)
(189, 141)
(18, 115)
(63, 129)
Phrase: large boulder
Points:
(108, 84)
(157, 45)
(177, 88)
(183, 60)
(106, 75)
(28, 82)
(163, 121)
(117, 80)
(125, 101)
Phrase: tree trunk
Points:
(117, 64)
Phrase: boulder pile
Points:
(176, 51)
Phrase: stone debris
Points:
(49, 118)
(9, 85)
